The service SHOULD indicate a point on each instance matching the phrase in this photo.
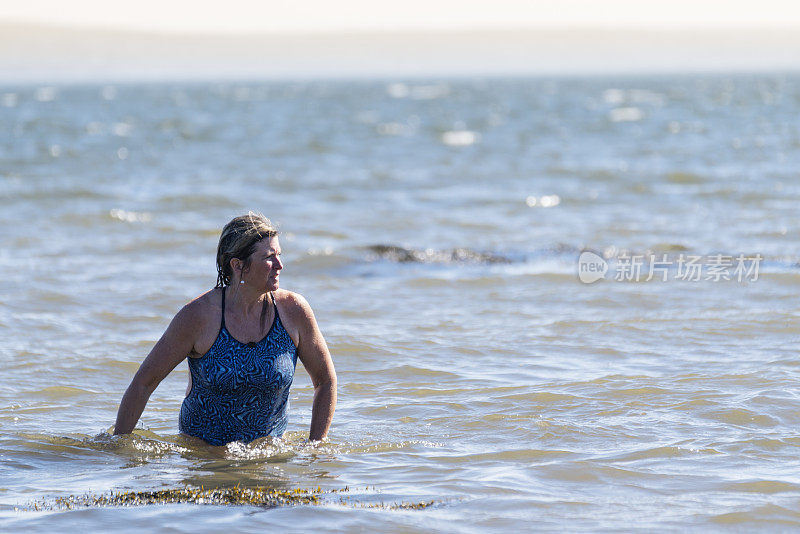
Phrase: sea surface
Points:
(435, 226)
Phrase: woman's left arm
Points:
(313, 352)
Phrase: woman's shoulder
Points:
(295, 312)
(294, 303)
(202, 309)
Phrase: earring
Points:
(241, 281)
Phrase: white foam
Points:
(460, 138)
(629, 114)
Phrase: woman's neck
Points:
(246, 300)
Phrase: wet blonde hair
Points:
(238, 240)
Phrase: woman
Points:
(242, 340)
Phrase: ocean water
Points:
(435, 226)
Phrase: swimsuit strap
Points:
(275, 307)
(222, 324)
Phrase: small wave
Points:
(410, 255)
(142, 443)
(46, 94)
(742, 417)
(417, 92)
(61, 391)
(667, 452)
(584, 471)
(628, 114)
(685, 178)
(367, 446)
(197, 201)
(514, 455)
(674, 252)
(9, 100)
(456, 138)
(761, 516)
(762, 486)
(130, 216)
(145, 444)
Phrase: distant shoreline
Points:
(50, 54)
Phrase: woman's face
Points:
(265, 265)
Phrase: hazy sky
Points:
(336, 15)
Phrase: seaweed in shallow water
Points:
(256, 496)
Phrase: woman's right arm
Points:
(175, 345)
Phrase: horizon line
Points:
(297, 32)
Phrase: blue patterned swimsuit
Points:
(240, 391)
